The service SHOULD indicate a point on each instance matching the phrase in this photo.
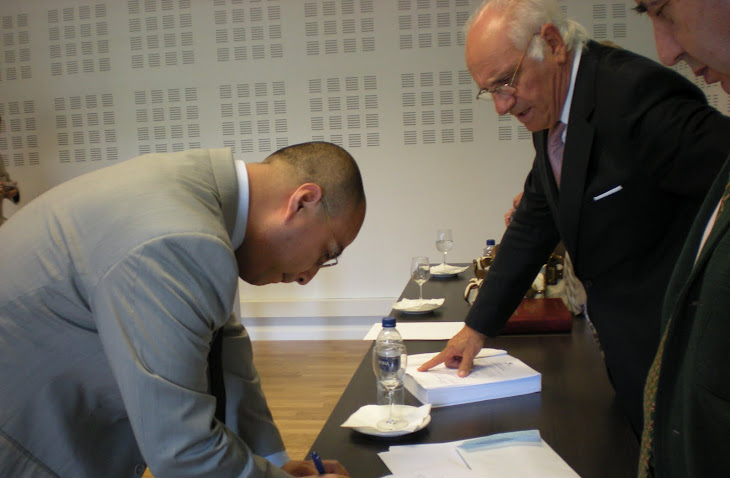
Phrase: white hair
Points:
(526, 17)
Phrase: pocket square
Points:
(608, 193)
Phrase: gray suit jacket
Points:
(120, 278)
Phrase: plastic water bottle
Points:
(489, 248)
(387, 353)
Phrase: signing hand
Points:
(459, 352)
(307, 469)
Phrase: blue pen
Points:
(318, 463)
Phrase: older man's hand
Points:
(459, 352)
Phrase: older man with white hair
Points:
(625, 152)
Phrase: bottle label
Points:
(389, 364)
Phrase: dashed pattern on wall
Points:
(254, 116)
(85, 128)
(339, 26)
(253, 74)
(15, 62)
(438, 107)
(167, 119)
(247, 30)
(160, 33)
(345, 110)
(19, 133)
(432, 23)
(78, 40)
(609, 21)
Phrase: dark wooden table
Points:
(575, 412)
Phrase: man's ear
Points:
(551, 35)
(305, 198)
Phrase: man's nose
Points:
(303, 278)
(503, 103)
(668, 50)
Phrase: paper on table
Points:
(524, 454)
(416, 360)
(490, 366)
(433, 460)
(420, 330)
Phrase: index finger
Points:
(438, 359)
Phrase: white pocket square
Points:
(608, 193)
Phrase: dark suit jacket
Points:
(638, 125)
(692, 418)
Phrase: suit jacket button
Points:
(139, 469)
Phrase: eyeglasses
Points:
(333, 261)
(507, 89)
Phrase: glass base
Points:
(392, 424)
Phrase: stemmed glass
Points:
(420, 273)
(389, 365)
(444, 242)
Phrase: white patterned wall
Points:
(86, 84)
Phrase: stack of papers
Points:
(523, 453)
(494, 375)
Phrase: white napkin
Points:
(447, 269)
(369, 415)
(418, 304)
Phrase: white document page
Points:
(420, 330)
(433, 460)
(524, 454)
(490, 366)
(521, 454)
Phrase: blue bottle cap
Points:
(388, 321)
(490, 242)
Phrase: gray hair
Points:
(526, 17)
(330, 167)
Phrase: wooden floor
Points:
(303, 380)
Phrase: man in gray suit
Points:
(119, 330)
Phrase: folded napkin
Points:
(369, 415)
(447, 269)
(418, 304)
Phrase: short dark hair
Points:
(330, 167)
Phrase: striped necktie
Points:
(555, 149)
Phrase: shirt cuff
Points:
(279, 459)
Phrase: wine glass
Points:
(444, 242)
(389, 365)
(420, 273)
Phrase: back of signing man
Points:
(120, 346)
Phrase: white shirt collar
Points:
(569, 97)
(239, 227)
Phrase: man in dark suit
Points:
(687, 396)
(641, 148)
